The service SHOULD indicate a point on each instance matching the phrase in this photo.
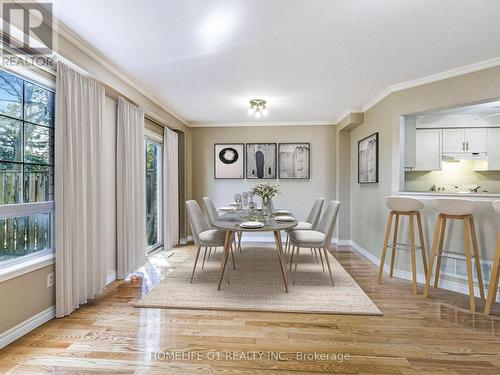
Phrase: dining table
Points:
(230, 223)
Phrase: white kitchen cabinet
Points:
(476, 140)
(428, 154)
(494, 149)
(453, 140)
(410, 146)
(465, 140)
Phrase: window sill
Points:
(10, 271)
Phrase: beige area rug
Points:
(257, 285)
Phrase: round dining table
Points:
(230, 222)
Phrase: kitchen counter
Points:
(487, 197)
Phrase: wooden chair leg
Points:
(384, 250)
(195, 261)
(232, 257)
(492, 290)
(477, 259)
(321, 258)
(287, 243)
(470, 274)
(204, 257)
(240, 235)
(328, 265)
(394, 242)
(433, 255)
(296, 263)
(209, 253)
(291, 257)
(316, 255)
(440, 250)
(422, 242)
(413, 256)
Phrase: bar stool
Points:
(403, 206)
(456, 209)
(492, 289)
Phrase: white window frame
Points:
(158, 139)
(27, 263)
(18, 266)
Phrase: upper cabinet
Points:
(494, 149)
(465, 140)
(428, 150)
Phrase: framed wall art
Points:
(229, 160)
(368, 160)
(261, 160)
(294, 160)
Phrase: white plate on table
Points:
(233, 204)
(285, 218)
(252, 225)
(227, 209)
(281, 212)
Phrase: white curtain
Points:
(131, 190)
(171, 189)
(80, 259)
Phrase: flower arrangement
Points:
(266, 190)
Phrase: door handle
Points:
(467, 143)
(463, 146)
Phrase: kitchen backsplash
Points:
(454, 177)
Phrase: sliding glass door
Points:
(154, 193)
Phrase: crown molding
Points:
(85, 47)
(258, 123)
(471, 68)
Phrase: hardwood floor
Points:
(416, 335)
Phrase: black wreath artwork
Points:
(228, 155)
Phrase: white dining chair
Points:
(213, 216)
(319, 238)
(204, 236)
(310, 223)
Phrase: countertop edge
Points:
(472, 196)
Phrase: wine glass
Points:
(237, 199)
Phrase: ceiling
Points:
(310, 59)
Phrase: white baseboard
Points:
(28, 325)
(110, 277)
(407, 275)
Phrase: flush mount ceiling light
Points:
(257, 108)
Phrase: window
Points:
(154, 193)
(26, 167)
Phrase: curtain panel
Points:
(80, 257)
(131, 190)
(171, 189)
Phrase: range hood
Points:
(468, 156)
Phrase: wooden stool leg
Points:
(433, 255)
(412, 251)
(475, 248)
(492, 289)
(422, 242)
(470, 274)
(441, 243)
(384, 250)
(394, 242)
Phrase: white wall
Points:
(297, 195)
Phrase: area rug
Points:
(257, 285)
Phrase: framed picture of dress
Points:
(261, 160)
(294, 160)
(229, 160)
(368, 160)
